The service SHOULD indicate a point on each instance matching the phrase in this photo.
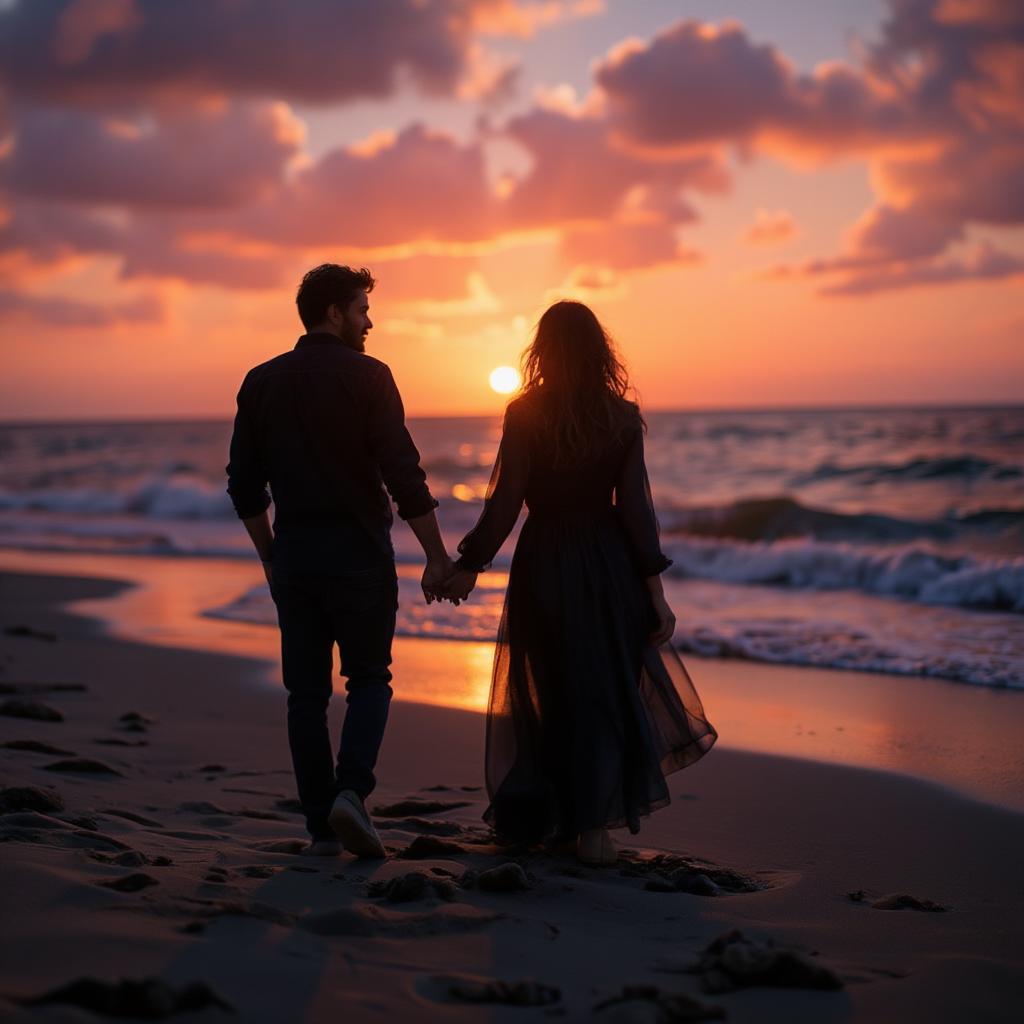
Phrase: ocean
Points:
(875, 540)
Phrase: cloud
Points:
(770, 227)
(47, 234)
(64, 312)
(561, 185)
(419, 185)
(588, 284)
(491, 79)
(119, 54)
(698, 84)
(983, 263)
(890, 233)
(174, 180)
(204, 155)
(525, 18)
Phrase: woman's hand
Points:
(666, 621)
(459, 586)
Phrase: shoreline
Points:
(962, 738)
(280, 937)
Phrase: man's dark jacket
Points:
(324, 426)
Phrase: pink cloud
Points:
(204, 189)
(984, 263)
(119, 54)
(699, 84)
(194, 157)
(64, 312)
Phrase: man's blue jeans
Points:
(356, 611)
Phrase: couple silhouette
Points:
(590, 706)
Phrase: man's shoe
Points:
(323, 848)
(352, 825)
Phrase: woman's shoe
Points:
(595, 847)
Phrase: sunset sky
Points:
(768, 202)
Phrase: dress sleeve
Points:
(635, 508)
(505, 495)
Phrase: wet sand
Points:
(896, 900)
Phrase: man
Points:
(324, 425)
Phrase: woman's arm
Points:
(635, 508)
(505, 495)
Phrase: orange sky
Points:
(763, 211)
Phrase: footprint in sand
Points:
(667, 872)
(31, 633)
(423, 847)
(508, 877)
(898, 901)
(131, 859)
(148, 998)
(30, 798)
(138, 819)
(211, 909)
(205, 807)
(32, 709)
(427, 826)
(135, 721)
(82, 766)
(413, 806)
(414, 885)
(637, 1003)
(280, 846)
(734, 961)
(257, 871)
(372, 921)
(12, 688)
(134, 882)
(38, 747)
(465, 988)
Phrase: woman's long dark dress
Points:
(586, 716)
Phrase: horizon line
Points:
(935, 406)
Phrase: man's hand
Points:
(436, 573)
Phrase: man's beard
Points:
(353, 337)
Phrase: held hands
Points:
(443, 582)
(434, 575)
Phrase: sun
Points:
(504, 379)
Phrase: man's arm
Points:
(247, 484)
(399, 463)
(262, 537)
(439, 565)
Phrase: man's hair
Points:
(330, 284)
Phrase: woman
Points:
(590, 706)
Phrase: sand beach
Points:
(150, 835)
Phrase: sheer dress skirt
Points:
(586, 717)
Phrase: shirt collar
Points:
(321, 338)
